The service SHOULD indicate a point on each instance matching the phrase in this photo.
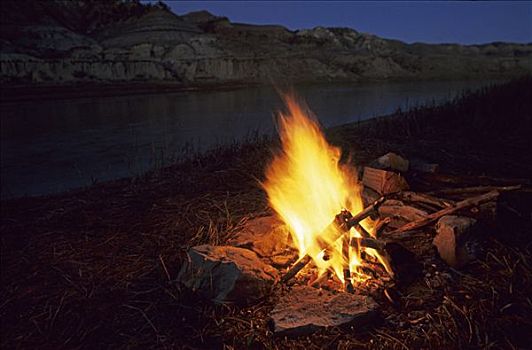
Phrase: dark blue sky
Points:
(466, 22)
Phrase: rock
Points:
(227, 274)
(54, 41)
(157, 26)
(400, 213)
(267, 236)
(424, 167)
(391, 161)
(454, 234)
(283, 260)
(383, 181)
(304, 310)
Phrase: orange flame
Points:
(307, 187)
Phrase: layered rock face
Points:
(155, 45)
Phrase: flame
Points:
(307, 187)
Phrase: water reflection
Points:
(52, 146)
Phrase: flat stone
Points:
(454, 233)
(267, 236)
(282, 260)
(227, 274)
(303, 310)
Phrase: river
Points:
(54, 145)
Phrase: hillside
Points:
(64, 42)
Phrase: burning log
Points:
(470, 202)
(399, 262)
(364, 213)
(360, 229)
(372, 243)
(342, 224)
(348, 285)
(296, 268)
(378, 245)
(380, 225)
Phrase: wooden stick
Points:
(425, 198)
(296, 268)
(472, 180)
(342, 223)
(380, 247)
(368, 243)
(364, 213)
(348, 285)
(380, 225)
(470, 202)
(476, 189)
(360, 229)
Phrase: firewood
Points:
(364, 213)
(341, 224)
(425, 198)
(470, 202)
(360, 229)
(378, 245)
(380, 225)
(300, 264)
(383, 181)
(476, 189)
(372, 243)
(472, 180)
(348, 285)
(398, 210)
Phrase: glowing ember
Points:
(307, 187)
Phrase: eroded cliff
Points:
(65, 42)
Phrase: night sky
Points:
(432, 21)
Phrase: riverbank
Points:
(94, 268)
(12, 93)
(18, 92)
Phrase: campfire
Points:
(316, 197)
(338, 230)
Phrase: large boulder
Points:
(227, 274)
(303, 310)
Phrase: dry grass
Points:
(96, 268)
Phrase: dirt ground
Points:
(96, 268)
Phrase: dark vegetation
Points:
(95, 268)
(486, 131)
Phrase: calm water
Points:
(52, 146)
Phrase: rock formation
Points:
(64, 42)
